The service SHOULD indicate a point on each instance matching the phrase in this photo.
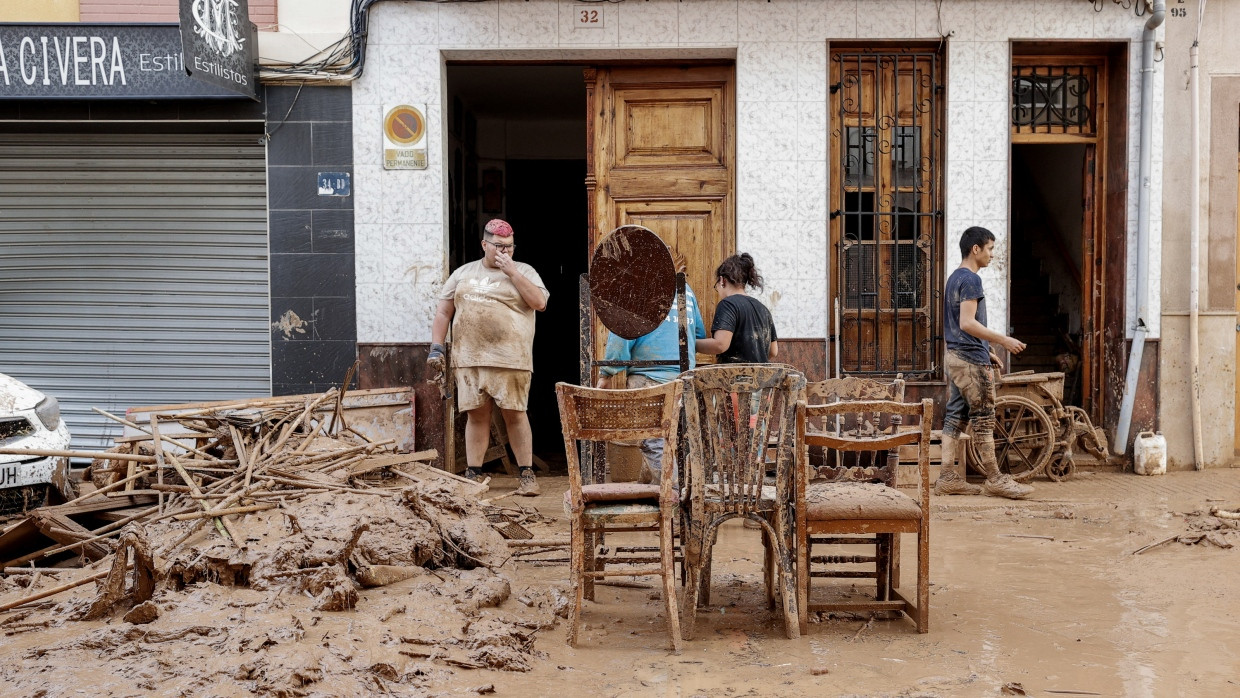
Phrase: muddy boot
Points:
(950, 481)
(528, 484)
(473, 474)
(1002, 485)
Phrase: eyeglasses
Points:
(502, 248)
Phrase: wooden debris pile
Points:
(258, 494)
(248, 526)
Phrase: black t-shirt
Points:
(751, 326)
(964, 285)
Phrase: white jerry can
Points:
(1150, 454)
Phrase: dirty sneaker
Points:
(473, 474)
(1005, 486)
(950, 482)
(528, 484)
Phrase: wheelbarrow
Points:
(1035, 432)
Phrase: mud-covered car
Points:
(30, 419)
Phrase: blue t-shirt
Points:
(964, 285)
(662, 343)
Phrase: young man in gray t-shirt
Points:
(971, 387)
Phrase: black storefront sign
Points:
(218, 41)
(96, 61)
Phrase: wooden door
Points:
(1236, 409)
(1093, 284)
(661, 155)
(1064, 100)
(886, 208)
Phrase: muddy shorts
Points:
(510, 387)
(970, 395)
(652, 449)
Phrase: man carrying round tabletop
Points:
(490, 306)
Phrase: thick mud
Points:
(1043, 596)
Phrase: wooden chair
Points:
(824, 462)
(593, 415)
(733, 415)
(861, 499)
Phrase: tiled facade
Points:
(780, 48)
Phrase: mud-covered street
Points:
(1043, 596)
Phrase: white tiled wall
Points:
(781, 65)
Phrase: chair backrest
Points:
(733, 414)
(877, 469)
(852, 389)
(592, 414)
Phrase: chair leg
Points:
(768, 573)
(688, 613)
(923, 578)
(895, 561)
(803, 553)
(589, 548)
(882, 565)
(667, 559)
(577, 543)
(787, 587)
(708, 550)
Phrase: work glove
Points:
(436, 369)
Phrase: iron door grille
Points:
(134, 270)
(886, 209)
(1055, 97)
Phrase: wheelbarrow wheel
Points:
(1061, 468)
(1024, 437)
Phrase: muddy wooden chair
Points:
(826, 464)
(860, 499)
(733, 416)
(592, 415)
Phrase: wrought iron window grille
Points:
(886, 213)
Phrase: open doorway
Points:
(517, 151)
(1048, 226)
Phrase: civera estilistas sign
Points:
(92, 61)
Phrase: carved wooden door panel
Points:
(661, 149)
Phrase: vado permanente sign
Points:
(218, 41)
(90, 61)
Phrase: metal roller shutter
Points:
(133, 270)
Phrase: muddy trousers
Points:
(971, 400)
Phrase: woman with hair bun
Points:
(742, 331)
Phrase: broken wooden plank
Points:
(102, 505)
(372, 463)
(55, 590)
(100, 455)
(224, 512)
(64, 530)
(430, 472)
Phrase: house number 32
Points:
(590, 17)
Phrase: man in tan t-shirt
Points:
(490, 305)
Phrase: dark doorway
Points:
(518, 152)
(1048, 217)
(547, 202)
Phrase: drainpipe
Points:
(1143, 225)
(1194, 232)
